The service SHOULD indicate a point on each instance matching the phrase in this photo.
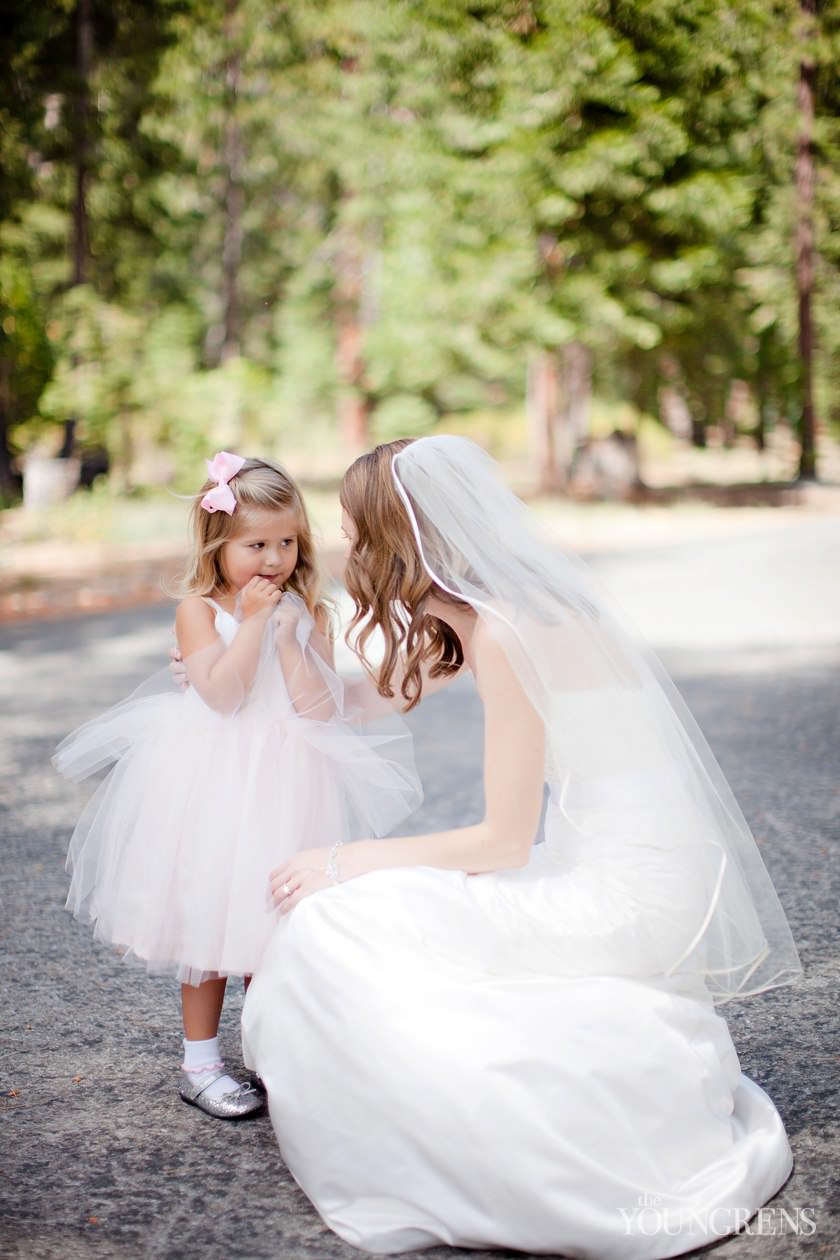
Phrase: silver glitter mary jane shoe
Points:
(235, 1105)
(257, 1084)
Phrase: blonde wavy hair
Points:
(387, 582)
(258, 484)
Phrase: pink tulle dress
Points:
(170, 859)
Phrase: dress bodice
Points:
(225, 622)
(591, 734)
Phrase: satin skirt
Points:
(446, 1062)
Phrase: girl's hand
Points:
(302, 875)
(287, 618)
(258, 598)
(177, 669)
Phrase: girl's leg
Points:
(202, 1007)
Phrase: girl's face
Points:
(265, 545)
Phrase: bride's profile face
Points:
(348, 527)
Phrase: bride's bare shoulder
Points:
(491, 657)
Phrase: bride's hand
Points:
(177, 669)
(302, 875)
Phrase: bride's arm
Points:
(513, 781)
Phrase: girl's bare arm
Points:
(222, 675)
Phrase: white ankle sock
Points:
(202, 1055)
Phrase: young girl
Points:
(211, 788)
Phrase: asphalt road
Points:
(97, 1156)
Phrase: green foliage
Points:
(401, 415)
(94, 373)
(26, 358)
(445, 187)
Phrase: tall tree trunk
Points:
(234, 192)
(804, 240)
(82, 163)
(9, 485)
(577, 378)
(8, 482)
(543, 392)
(698, 426)
(728, 422)
(762, 399)
(354, 402)
(349, 299)
(81, 140)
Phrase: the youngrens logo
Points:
(650, 1217)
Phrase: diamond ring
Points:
(286, 890)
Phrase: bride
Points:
(502, 1035)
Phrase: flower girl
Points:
(211, 788)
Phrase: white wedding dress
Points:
(498, 1061)
(532, 1058)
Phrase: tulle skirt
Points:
(170, 860)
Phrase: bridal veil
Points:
(624, 755)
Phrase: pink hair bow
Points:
(221, 468)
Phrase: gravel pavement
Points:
(97, 1156)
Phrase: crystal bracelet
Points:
(332, 863)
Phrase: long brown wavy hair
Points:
(260, 484)
(387, 582)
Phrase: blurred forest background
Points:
(298, 228)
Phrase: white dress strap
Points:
(219, 611)
(226, 623)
